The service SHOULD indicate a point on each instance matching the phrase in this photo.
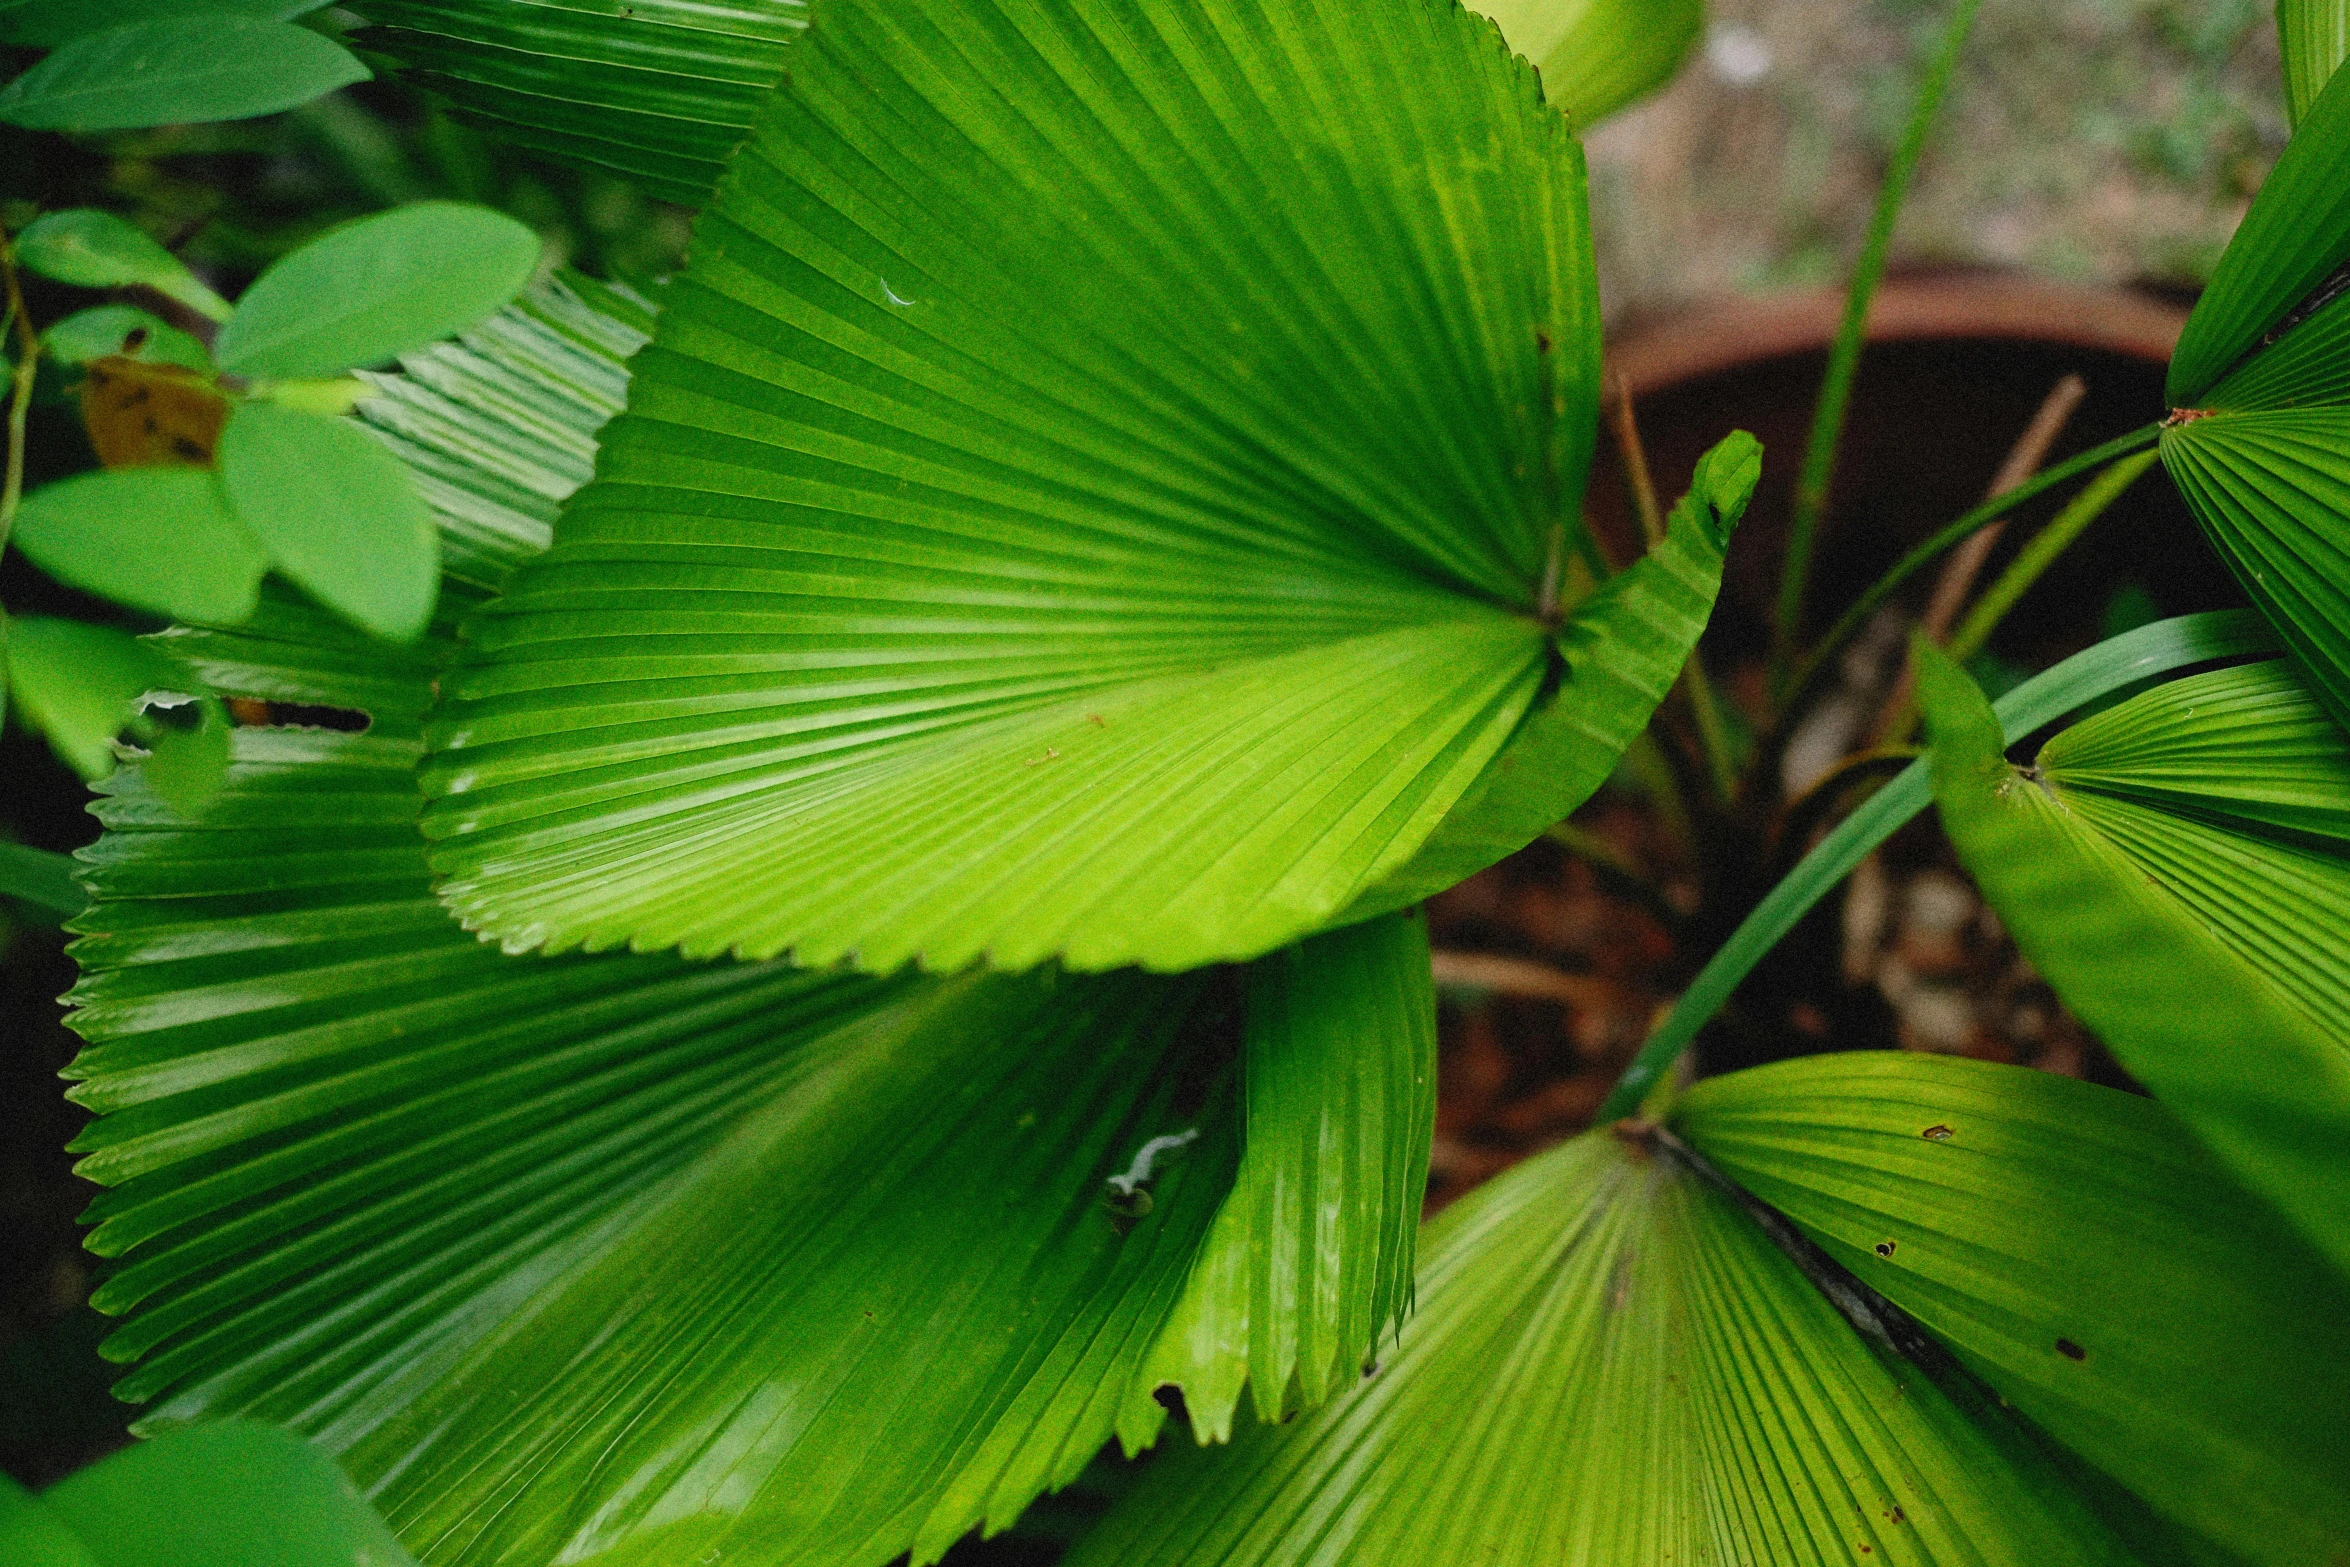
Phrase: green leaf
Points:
(2294, 238)
(44, 24)
(2082, 1253)
(2110, 666)
(2315, 35)
(234, 1494)
(620, 1254)
(157, 539)
(177, 71)
(2233, 1055)
(1599, 55)
(371, 289)
(42, 879)
(33, 1536)
(1310, 1259)
(1621, 650)
(104, 330)
(336, 513)
(658, 90)
(93, 249)
(83, 685)
(1610, 1363)
(1122, 547)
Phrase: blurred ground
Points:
(2103, 141)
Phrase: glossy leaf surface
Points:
(377, 287)
(1119, 549)
(337, 514)
(234, 1494)
(2232, 1053)
(93, 249)
(1597, 56)
(157, 539)
(2085, 1256)
(181, 70)
(1609, 1364)
(1310, 1259)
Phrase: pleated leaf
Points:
(1597, 56)
(2203, 1021)
(2315, 35)
(1088, 498)
(619, 1257)
(2292, 240)
(1610, 1364)
(2081, 1252)
(1310, 1260)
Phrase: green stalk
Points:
(1827, 429)
(1949, 535)
(2109, 666)
(2037, 556)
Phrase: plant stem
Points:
(2041, 553)
(20, 393)
(1943, 538)
(2109, 666)
(1827, 430)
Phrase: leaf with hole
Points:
(375, 288)
(83, 686)
(337, 514)
(2205, 953)
(2079, 1250)
(177, 71)
(93, 249)
(108, 331)
(157, 539)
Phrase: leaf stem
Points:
(2109, 666)
(1818, 474)
(2037, 556)
(20, 394)
(1948, 535)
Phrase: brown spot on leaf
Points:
(2070, 1350)
(150, 415)
(1937, 1133)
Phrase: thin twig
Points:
(20, 395)
(1636, 470)
(2049, 543)
(1818, 475)
(1898, 717)
(1522, 977)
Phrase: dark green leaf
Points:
(378, 287)
(659, 90)
(2295, 236)
(104, 330)
(1599, 55)
(44, 24)
(2315, 35)
(1310, 1259)
(41, 879)
(1620, 652)
(337, 514)
(1610, 1364)
(1119, 547)
(82, 685)
(234, 1494)
(158, 539)
(179, 71)
(93, 249)
(2264, 1086)
(2086, 1257)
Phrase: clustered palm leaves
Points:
(904, 968)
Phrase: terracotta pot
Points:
(1958, 364)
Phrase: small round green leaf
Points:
(232, 1494)
(158, 539)
(378, 287)
(93, 249)
(126, 330)
(180, 71)
(44, 24)
(81, 685)
(337, 514)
